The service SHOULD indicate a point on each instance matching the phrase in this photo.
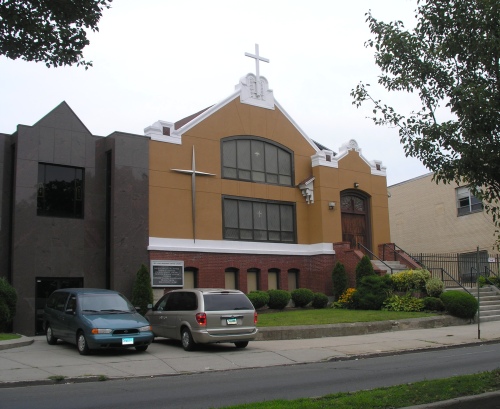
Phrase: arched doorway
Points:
(355, 218)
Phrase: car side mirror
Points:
(150, 306)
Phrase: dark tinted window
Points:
(60, 191)
(57, 301)
(256, 160)
(258, 220)
(226, 301)
(182, 301)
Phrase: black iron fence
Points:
(461, 268)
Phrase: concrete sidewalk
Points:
(33, 361)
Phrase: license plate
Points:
(127, 341)
(232, 321)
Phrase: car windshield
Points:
(112, 303)
(226, 301)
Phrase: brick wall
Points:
(314, 271)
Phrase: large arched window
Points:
(256, 159)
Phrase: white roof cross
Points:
(257, 59)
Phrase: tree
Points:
(142, 292)
(339, 280)
(364, 268)
(451, 59)
(52, 31)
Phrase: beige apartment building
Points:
(430, 217)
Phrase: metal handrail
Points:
(396, 253)
(491, 272)
(373, 255)
(453, 279)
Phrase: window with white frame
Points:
(258, 220)
(467, 203)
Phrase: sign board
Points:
(167, 273)
(491, 259)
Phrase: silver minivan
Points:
(202, 316)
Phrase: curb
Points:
(356, 328)
(15, 343)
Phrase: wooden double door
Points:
(355, 220)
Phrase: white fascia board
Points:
(239, 247)
(313, 145)
(179, 132)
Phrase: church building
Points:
(234, 196)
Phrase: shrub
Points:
(142, 292)
(406, 303)
(5, 317)
(8, 300)
(278, 299)
(434, 287)
(339, 280)
(410, 280)
(371, 292)
(345, 300)
(258, 298)
(320, 300)
(433, 304)
(364, 268)
(460, 304)
(302, 297)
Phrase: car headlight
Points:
(145, 328)
(101, 331)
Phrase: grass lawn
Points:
(330, 316)
(400, 396)
(6, 337)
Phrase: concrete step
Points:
(488, 313)
(490, 318)
(396, 266)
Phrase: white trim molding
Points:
(241, 247)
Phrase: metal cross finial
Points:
(257, 59)
(193, 172)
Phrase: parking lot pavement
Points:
(37, 362)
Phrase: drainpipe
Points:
(478, 301)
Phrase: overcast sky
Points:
(163, 59)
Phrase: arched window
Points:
(190, 277)
(253, 279)
(293, 279)
(231, 278)
(255, 159)
(273, 279)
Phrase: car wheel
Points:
(81, 344)
(51, 340)
(241, 344)
(187, 340)
(141, 348)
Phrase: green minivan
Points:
(95, 319)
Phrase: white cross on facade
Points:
(193, 172)
(257, 58)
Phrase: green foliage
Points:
(5, 317)
(339, 280)
(364, 268)
(258, 298)
(433, 304)
(410, 280)
(301, 297)
(371, 292)
(319, 301)
(491, 280)
(142, 292)
(460, 304)
(434, 287)
(8, 300)
(405, 303)
(53, 32)
(278, 299)
(450, 61)
(345, 300)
